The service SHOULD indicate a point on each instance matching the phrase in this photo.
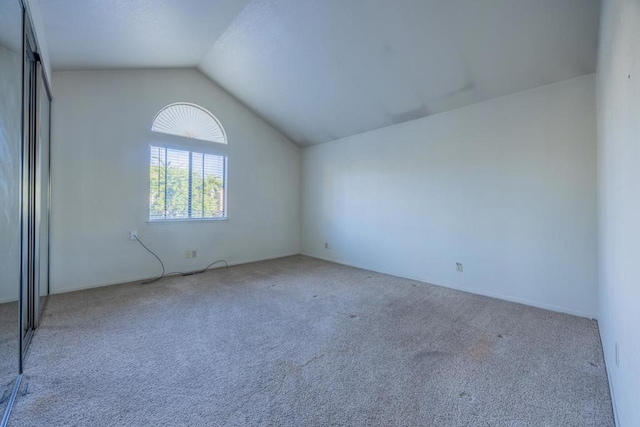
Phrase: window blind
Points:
(190, 121)
(186, 185)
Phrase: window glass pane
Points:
(214, 173)
(197, 182)
(157, 200)
(177, 190)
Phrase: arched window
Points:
(187, 183)
(190, 121)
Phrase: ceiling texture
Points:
(320, 70)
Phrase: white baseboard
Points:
(142, 279)
(609, 379)
(392, 273)
(471, 291)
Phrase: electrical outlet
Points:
(459, 267)
(133, 234)
(194, 253)
(187, 254)
(617, 356)
(327, 245)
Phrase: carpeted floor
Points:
(9, 351)
(302, 342)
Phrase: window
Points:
(187, 185)
(190, 121)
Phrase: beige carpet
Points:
(302, 342)
(9, 351)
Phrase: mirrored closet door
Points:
(35, 189)
(11, 33)
(25, 105)
(43, 189)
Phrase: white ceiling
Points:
(97, 34)
(321, 70)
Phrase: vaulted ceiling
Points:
(319, 70)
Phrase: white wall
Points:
(100, 180)
(619, 202)
(507, 187)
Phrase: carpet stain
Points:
(466, 396)
(313, 359)
(25, 389)
(480, 350)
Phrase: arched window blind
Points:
(190, 121)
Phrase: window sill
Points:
(165, 221)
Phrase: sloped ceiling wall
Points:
(323, 70)
(121, 34)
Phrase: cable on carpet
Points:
(207, 268)
(176, 273)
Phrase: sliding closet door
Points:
(42, 190)
(10, 180)
(28, 193)
(35, 188)
(25, 104)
